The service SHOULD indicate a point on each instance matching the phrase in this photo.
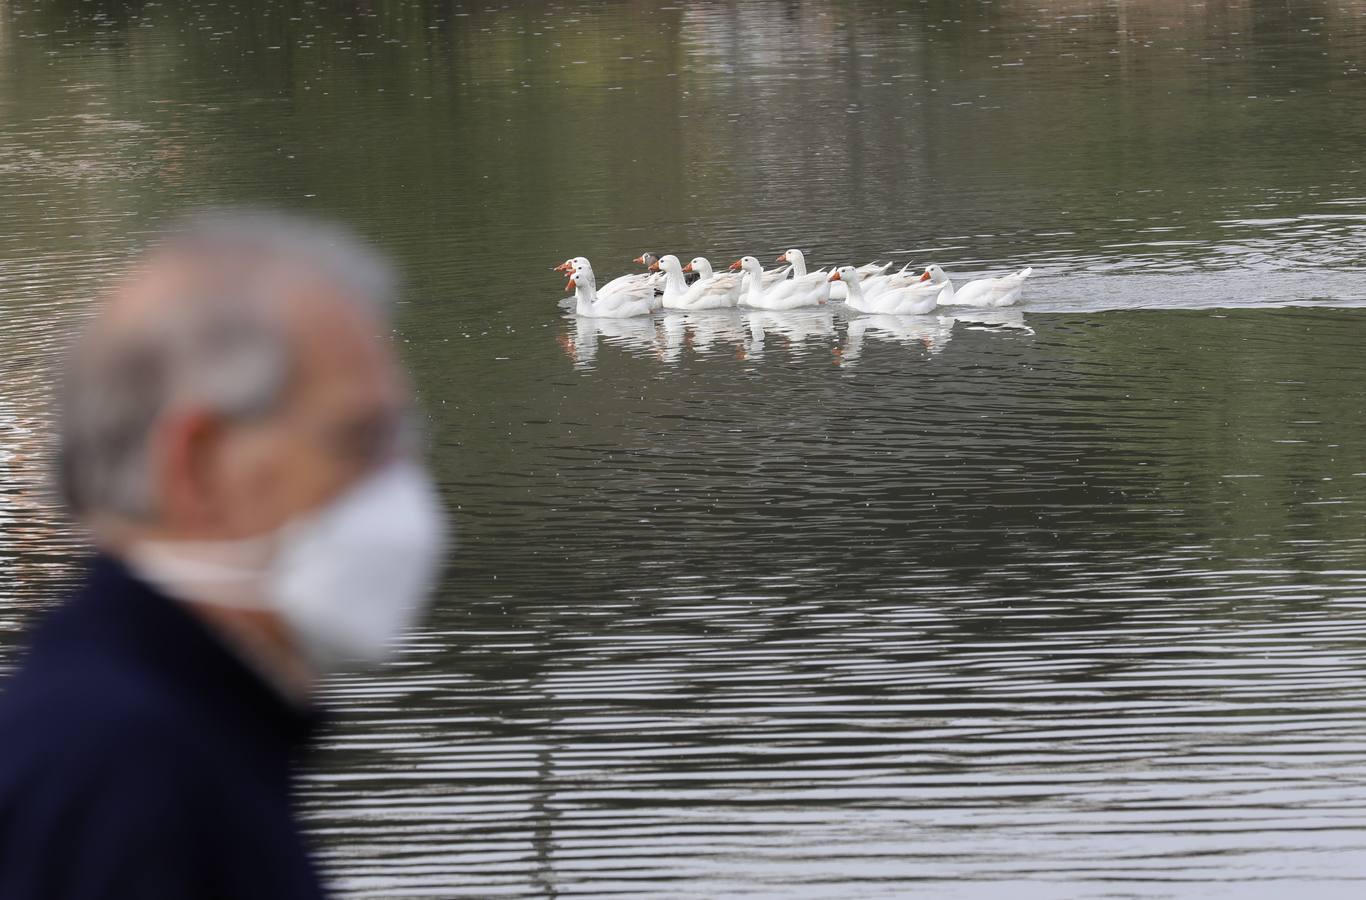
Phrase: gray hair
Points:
(220, 344)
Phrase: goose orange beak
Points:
(639, 259)
(562, 267)
(834, 276)
(654, 266)
(571, 285)
(925, 277)
(688, 267)
(782, 258)
(735, 265)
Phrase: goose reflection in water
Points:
(992, 319)
(580, 341)
(705, 332)
(797, 326)
(931, 333)
(750, 333)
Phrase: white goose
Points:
(883, 281)
(621, 305)
(1005, 291)
(871, 273)
(734, 280)
(913, 300)
(810, 290)
(625, 285)
(797, 260)
(770, 277)
(705, 293)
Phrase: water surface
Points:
(1068, 599)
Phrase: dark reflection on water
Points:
(1030, 603)
(805, 604)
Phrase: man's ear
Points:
(184, 450)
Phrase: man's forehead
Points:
(148, 287)
(339, 348)
(164, 280)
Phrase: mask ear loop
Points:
(187, 570)
(181, 570)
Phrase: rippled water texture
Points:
(1066, 600)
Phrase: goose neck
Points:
(675, 283)
(756, 283)
(585, 290)
(854, 287)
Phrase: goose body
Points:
(881, 282)
(1004, 291)
(793, 293)
(838, 289)
(705, 293)
(868, 271)
(733, 281)
(623, 304)
(623, 286)
(796, 262)
(770, 277)
(916, 299)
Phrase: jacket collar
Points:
(118, 613)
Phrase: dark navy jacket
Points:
(139, 758)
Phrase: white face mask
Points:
(348, 579)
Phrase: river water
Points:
(1067, 600)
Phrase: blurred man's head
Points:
(237, 375)
(234, 396)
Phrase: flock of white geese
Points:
(873, 288)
